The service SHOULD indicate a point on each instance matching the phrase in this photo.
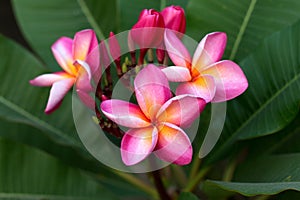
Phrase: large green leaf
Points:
(253, 189)
(40, 139)
(246, 22)
(22, 118)
(102, 15)
(27, 173)
(267, 174)
(271, 101)
(187, 196)
(22, 103)
(283, 142)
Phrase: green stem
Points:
(138, 183)
(194, 182)
(179, 175)
(195, 167)
(163, 4)
(160, 186)
(229, 172)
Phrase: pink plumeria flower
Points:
(79, 58)
(155, 122)
(204, 75)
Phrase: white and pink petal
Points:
(181, 110)
(209, 51)
(124, 113)
(177, 73)
(229, 78)
(151, 90)
(57, 93)
(176, 50)
(173, 145)
(85, 41)
(137, 144)
(62, 51)
(202, 86)
(49, 79)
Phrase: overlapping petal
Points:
(176, 50)
(62, 51)
(181, 110)
(209, 51)
(229, 78)
(202, 86)
(93, 60)
(137, 144)
(173, 145)
(84, 42)
(49, 79)
(177, 73)
(151, 90)
(58, 91)
(86, 98)
(124, 113)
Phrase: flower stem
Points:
(194, 169)
(138, 183)
(229, 172)
(193, 182)
(179, 175)
(160, 186)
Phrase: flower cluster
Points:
(156, 122)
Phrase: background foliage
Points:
(258, 153)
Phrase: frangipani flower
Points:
(204, 75)
(155, 122)
(79, 58)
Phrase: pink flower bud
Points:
(174, 18)
(114, 46)
(148, 31)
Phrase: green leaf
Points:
(283, 142)
(265, 175)
(253, 189)
(270, 102)
(270, 168)
(246, 22)
(27, 173)
(187, 196)
(22, 118)
(102, 15)
(22, 103)
(215, 193)
(43, 22)
(39, 139)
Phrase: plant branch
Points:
(138, 183)
(193, 182)
(195, 168)
(160, 186)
